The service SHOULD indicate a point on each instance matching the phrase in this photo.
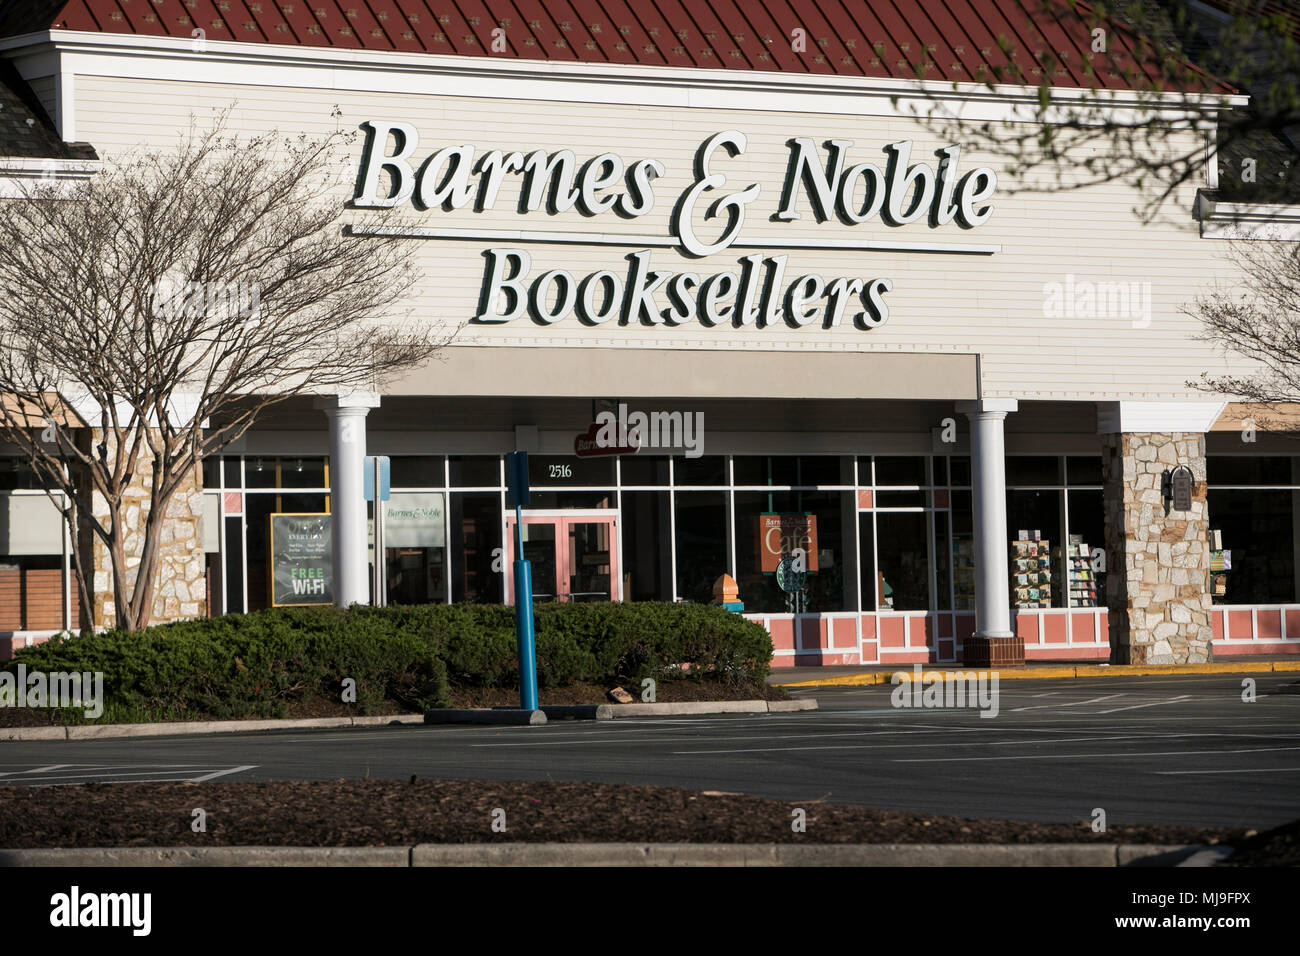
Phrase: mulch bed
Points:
(1277, 847)
(397, 813)
(673, 691)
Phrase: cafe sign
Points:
(780, 535)
(517, 283)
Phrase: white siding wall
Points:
(991, 305)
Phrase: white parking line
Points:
(1173, 700)
(1173, 773)
(1073, 703)
(1108, 756)
(222, 773)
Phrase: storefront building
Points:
(957, 401)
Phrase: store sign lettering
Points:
(757, 293)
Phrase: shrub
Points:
(262, 664)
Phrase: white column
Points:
(347, 415)
(989, 508)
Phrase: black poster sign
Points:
(302, 560)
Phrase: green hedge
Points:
(267, 663)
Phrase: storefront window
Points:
(1037, 557)
(1258, 533)
(895, 470)
(1085, 561)
(705, 470)
(476, 535)
(647, 572)
(769, 526)
(903, 561)
(1083, 470)
(475, 471)
(416, 471)
(1033, 470)
(1252, 470)
(791, 470)
(963, 552)
(302, 472)
(641, 469)
(415, 552)
(701, 534)
(942, 556)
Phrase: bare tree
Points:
(147, 323)
(1258, 320)
(1172, 65)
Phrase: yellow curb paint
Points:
(1049, 673)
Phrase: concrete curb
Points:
(615, 711)
(621, 854)
(185, 727)
(1047, 673)
(514, 716)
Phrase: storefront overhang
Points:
(682, 373)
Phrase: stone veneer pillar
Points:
(1158, 565)
(180, 588)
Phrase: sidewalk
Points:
(1035, 670)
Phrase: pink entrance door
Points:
(573, 558)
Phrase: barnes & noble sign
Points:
(708, 218)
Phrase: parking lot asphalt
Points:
(1175, 750)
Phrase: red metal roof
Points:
(1012, 41)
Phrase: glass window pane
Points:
(963, 552)
(416, 575)
(1083, 470)
(647, 543)
(900, 499)
(302, 472)
(705, 470)
(867, 560)
(476, 546)
(231, 465)
(641, 469)
(571, 499)
(416, 471)
(1034, 470)
(894, 470)
(701, 534)
(1085, 562)
(469, 471)
(1258, 531)
(770, 526)
(942, 560)
(960, 467)
(1251, 470)
(765, 469)
(211, 471)
(940, 466)
(259, 472)
(903, 554)
(1037, 558)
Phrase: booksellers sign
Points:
(899, 187)
(302, 568)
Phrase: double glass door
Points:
(573, 558)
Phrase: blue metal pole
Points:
(524, 620)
